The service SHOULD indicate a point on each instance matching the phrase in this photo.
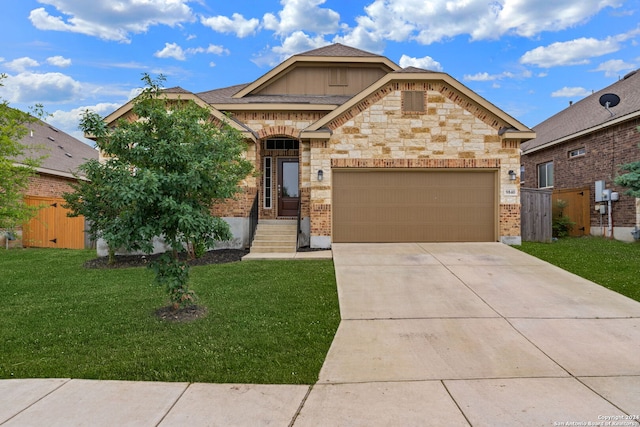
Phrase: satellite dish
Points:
(609, 100)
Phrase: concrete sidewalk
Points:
(431, 334)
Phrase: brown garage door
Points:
(414, 206)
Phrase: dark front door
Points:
(288, 187)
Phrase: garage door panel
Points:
(405, 206)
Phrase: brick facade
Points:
(42, 185)
(605, 151)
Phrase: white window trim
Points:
(582, 151)
(546, 171)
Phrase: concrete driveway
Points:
(474, 333)
(432, 334)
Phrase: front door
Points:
(288, 187)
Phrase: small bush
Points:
(561, 224)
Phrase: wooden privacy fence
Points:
(578, 209)
(52, 228)
(535, 215)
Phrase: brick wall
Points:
(48, 186)
(605, 151)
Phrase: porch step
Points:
(275, 237)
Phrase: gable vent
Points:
(338, 76)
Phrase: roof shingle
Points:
(338, 49)
(588, 113)
(63, 153)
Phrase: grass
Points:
(610, 263)
(268, 321)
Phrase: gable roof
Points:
(64, 153)
(514, 128)
(587, 115)
(223, 99)
(338, 49)
(335, 53)
(178, 93)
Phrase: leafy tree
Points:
(630, 179)
(163, 172)
(14, 179)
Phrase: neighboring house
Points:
(369, 152)
(62, 156)
(586, 143)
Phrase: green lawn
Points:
(611, 263)
(267, 322)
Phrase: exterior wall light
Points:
(512, 175)
(320, 175)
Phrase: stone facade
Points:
(379, 134)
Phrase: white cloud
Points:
(302, 15)
(59, 61)
(574, 52)
(212, 48)
(20, 65)
(486, 77)
(299, 42)
(239, 26)
(296, 43)
(362, 39)
(68, 121)
(110, 20)
(426, 63)
(173, 50)
(571, 92)
(437, 20)
(45, 88)
(613, 67)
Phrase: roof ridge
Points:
(337, 49)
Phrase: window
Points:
(545, 175)
(577, 152)
(282, 144)
(413, 101)
(521, 174)
(338, 77)
(267, 182)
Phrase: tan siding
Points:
(316, 81)
(410, 206)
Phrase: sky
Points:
(528, 57)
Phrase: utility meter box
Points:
(600, 191)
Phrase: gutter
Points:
(584, 132)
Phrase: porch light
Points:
(512, 175)
(320, 175)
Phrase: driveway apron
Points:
(474, 334)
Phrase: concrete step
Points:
(275, 237)
(276, 231)
(272, 250)
(264, 244)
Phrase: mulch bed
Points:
(220, 256)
